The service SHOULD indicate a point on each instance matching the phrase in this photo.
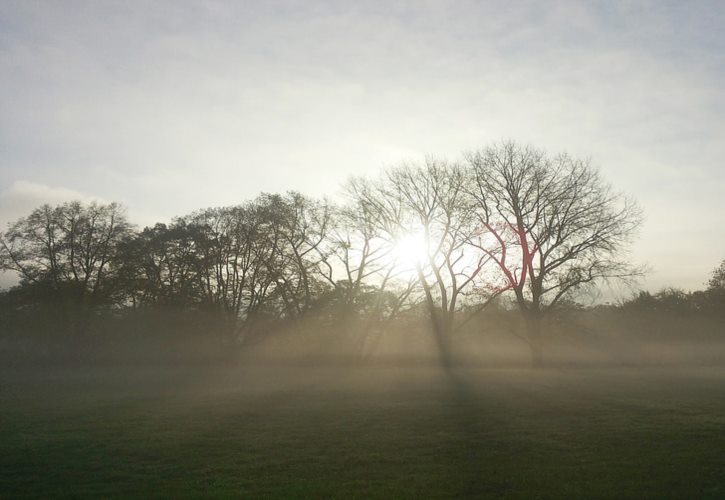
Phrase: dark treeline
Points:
(508, 235)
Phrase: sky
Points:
(171, 106)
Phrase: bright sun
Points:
(409, 250)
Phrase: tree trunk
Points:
(442, 337)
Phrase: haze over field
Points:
(169, 107)
(364, 249)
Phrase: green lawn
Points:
(281, 432)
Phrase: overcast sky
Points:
(172, 106)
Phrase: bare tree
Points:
(358, 262)
(296, 228)
(158, 266)
(553, 227)
(70, 249)
(431, 200)
(237, 262)
(223, 242)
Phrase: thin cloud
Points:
(21, 197)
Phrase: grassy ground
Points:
(285, 432)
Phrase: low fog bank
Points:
(421, 264)
(579, 337)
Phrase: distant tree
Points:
(354, 253)
(69, 250)
(244, 262)
(231, 262)
(296, 228)
(358, 262)
(667, 300)
(553, 226)
(158, 267)
(717, 280)
(714, 295)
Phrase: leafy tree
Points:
(158, 268)
(717, 280)
(715, 292)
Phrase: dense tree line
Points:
(710, 301)
(439, 237)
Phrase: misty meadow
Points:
(453, 284)
(362, 249)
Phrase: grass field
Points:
(336, 432)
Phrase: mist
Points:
(362, 250)
(411, 342)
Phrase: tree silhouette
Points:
(556, 225)
(430, 199)
(70, 251)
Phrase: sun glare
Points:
(410, 249)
